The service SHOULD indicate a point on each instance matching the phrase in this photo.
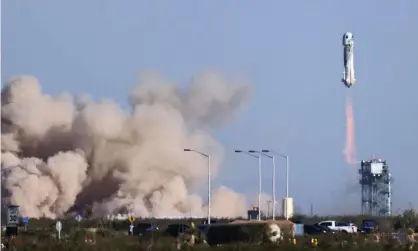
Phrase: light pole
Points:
(259, 178)
(287, 176)
(209, 178)
(273, 182)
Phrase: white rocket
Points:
(348, 74)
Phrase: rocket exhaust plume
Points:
(350, 145)
(62, 154)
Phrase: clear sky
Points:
(292, 52)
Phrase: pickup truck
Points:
(368, 226)
(338, 226)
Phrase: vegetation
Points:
(102, 241)
(409, 219)
(107, 235)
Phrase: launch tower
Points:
(376, 190)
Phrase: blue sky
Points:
(292, 52)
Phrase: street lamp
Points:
(273, 182)
(250, 153)
(287, 176)
(209, 178)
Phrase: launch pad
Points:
(376, 190)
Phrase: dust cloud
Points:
(350, 144)
(63, 153)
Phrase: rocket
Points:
(348, 74)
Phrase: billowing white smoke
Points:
(61, 154)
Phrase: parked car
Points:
(339, 226)
(368, 226)
(175, 230)
(327, 229)
(144, 228)
(315, 230)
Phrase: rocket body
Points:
(348, 74)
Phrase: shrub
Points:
(112, 235)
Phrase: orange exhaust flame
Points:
(350, 145)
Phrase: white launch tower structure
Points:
(376, 188)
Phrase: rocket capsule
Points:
(348, 39)
(348, 74)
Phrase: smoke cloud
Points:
(62, 153)
(350, 145)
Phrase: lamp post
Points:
(273, 180)
(209, 178)
(287, 176)
(259, 178)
